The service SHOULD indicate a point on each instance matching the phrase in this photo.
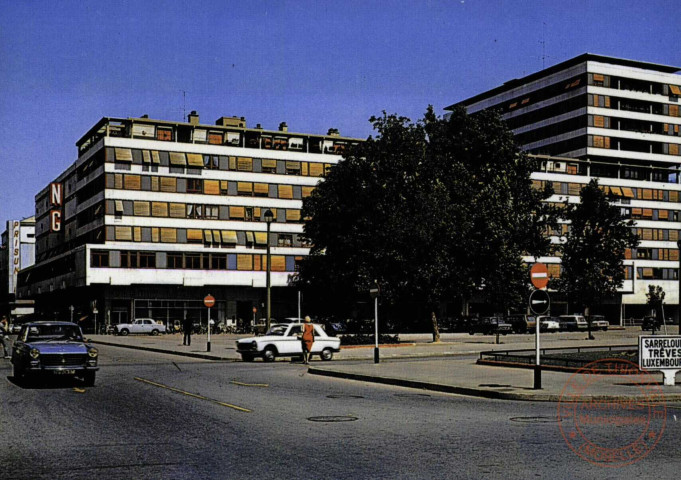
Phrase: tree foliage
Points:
(594, 250)
(433, 211)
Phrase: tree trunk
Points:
(436, 330)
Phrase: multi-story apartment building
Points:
(17, 252)
(617, 120)
(154, 215)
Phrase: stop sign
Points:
(539, 275)
(209, 301)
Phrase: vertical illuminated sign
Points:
(56, 200)
(14, 254)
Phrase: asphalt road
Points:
(156, 416)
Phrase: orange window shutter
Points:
(177, 210)
(627, 254)
(673, 196)
(647, 212)
(133, 182)
(194, 235)
(168, 235)
(647, 194)
(674, 255)
(663, 214)
(598, 77)
(636, 211)
(674, 110)
(258, 263)
(675, 89)
(599, 121)
(673, 149)
(606, 142)
(244, 262)
(286, 191)
(598, 142)
(211, 187)
(236, 212)
(278, 263)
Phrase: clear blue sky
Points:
(314, 64)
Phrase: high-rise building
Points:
(155, 215)
(616, 120)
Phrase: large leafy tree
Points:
(433, 211)
(594, 250)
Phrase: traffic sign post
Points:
(208, 301)
(375, 292)
(539, 305)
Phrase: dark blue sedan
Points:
(53, 348)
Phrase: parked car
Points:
(282, 341)
(490, 326)
(548, 324)
(140, 325)
(598, 322)
(572, 323)
(522, 323)
(53, 348)
(649, 322)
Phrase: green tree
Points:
(433, 211)
(593, 252)
(655, 297)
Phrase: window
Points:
(286, 191)
(168, 235)
(174, 260)
(192, 261)
(123, 154)
(269, 166)
(215, 138)
(252, 214)
(99, 259)
(211, 212)
(211, 162)
(147, 260)
(211, 187)
(118, 208)
(307, 191)
(159, 209)
(229, 237)
(194, 160)
(244, 164)
(178, 159)
(218, 261)
(194, 211)
(244, 188)
(164, 134)
(141, 209)
(194, 185)
(261, 189)
(128, 259)
(236, 213)
(293, 168)
(316, 169)
(292, 215)
(244, 262)
(123, 233)
(285, 240)
(169, 184)
(177, 210)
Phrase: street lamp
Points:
(269, 216)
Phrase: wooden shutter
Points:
(261, 238)
(133, 182)
(285, 191)
(236, 212)
(663, 214)
(245, 164)
(599, 121)
(647, 194)
(304, 170)
(155, 157)
(155, 234)
(154, 184)
(146, 156)
(194, 160)
(244, 262)
(316, 169)
(673, 149)
(208, 236)
(269, 163)
(292, 215)
(307, 191)
(215, 138)
(598, 77)
(124, 233)
(292, 165)
(675, 89)
(118, 181)
(261, 189)
(178, 210)
(168, 184)
(178, 158)
(169, 235)
(194, 235)
(123, 154)
(278, 263)
(141, 209)
(673, 196)
(211, 187)
(137, 234)
(229, 237)
(159, 209)
(244, 187)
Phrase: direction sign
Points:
(539, 275)
(539, 302)
(209, 301)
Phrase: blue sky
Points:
(313, 64)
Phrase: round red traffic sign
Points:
(539, 275)
(209, 301)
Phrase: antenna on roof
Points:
(184, 105)
(543, 45)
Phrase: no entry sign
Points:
(209, 301)
(539, 275)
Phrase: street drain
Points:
(408, 395)
(344, 396)
(534, 419)
(333, 419)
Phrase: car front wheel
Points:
(269, 354)
(124, 332)
(327, 354)
(154, 332)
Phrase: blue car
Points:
(53, 348)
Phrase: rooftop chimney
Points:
(283, 127)
(333, 132)
(145, 116)
(193, 118)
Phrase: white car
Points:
(598, 322)
(282, 341)
(548, 324)
(140, 325)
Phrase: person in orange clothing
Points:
(307, 339)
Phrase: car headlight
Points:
(255, 344)
(34, 353)
(93, 352)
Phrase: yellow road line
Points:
(263, 385)
(194, 395)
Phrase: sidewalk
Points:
(448, 366)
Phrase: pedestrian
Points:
(187, 326)
(4, 337)
(307, 339)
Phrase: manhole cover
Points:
(534, 419)
(408, 395)
(333, 419)
(344, 396)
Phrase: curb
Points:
(476, 392)
(168, 352)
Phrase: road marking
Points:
(263, 385)
(193, 395)
(78, 390)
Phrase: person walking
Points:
(187, 326)
(307, 339)
(4, 337)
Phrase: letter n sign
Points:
(56, 200)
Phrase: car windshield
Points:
(277, 330)
(53, 332)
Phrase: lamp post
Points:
(375, 292)
(269, 216)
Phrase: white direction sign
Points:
(660, 353)
(539, 302)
